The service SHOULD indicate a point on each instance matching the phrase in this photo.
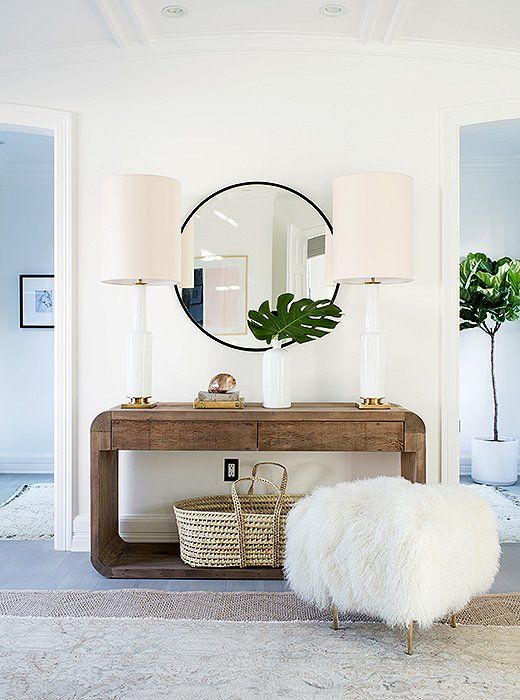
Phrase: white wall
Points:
(294, 118)
(490, 223)
(26, 355)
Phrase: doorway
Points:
(26, 328)
(481, 208)
(58, 125)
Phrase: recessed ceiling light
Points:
(174, 11)
(333, 10)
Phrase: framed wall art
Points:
(36, 301)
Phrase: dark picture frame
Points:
(23, 293)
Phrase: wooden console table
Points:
(305, 427)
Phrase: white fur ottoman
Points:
(391, 549)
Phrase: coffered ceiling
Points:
(482, 31)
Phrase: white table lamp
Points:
(141, 245)
(373, 245)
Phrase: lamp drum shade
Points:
(141, 229)
(373, 228)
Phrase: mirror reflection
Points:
(253, 241)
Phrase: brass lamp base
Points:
(373, 404)
(139, 402)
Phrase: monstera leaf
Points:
(303, 320)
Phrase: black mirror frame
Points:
(194, 211)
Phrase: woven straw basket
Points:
(236, 530)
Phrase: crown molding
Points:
(258, 43)
(458, 52)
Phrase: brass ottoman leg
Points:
(335, 621)
(453, 621)
(409, 639)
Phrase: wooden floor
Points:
(26, 565)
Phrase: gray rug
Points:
(123, 657)
(495, 610)
(507, 509)
(28, 514)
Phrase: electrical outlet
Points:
(231, 467)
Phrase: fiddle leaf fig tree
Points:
(302, 320)
(489, 296)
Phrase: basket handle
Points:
(283, 483)
(240, 518)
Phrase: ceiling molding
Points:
(396, 21)
(451, 52)
(258, 43)
(369, 20)
(109, 15)
(140, 21)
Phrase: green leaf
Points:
(489, 290)
(302, 320)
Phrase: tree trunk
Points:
(494, 385)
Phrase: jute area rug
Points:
(157, 644)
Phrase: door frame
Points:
(62, 126)
(452, 119)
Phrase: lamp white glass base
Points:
(139, 357)
(372, 355)
(276, 382)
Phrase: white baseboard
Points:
(26, 463)
(80, 541)
(153, 527)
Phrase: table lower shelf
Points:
(162, 560)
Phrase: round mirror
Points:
(253, 241)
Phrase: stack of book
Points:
(208, 399)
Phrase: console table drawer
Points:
(325, 436)
(183, 435)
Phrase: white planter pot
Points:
(276, 378)
(494, 463)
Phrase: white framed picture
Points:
(36, 301)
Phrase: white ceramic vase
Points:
(494, 462)
(276, 377)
